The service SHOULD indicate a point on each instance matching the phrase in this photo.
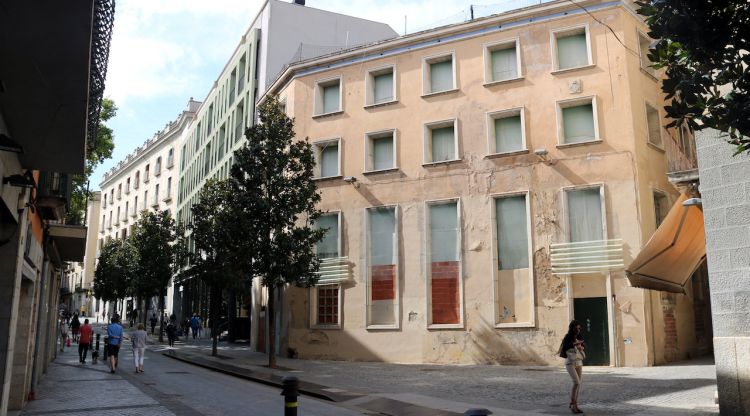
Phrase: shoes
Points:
(112, 371)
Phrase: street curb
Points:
(271, 379)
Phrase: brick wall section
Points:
(725, 190)
(383, 282)
(445, 292)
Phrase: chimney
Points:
(300, 2)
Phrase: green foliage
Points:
(274, 198)
(153, 240)
(115, 270)
(97, 151)
(704, 47)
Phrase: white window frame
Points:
(426, 78)
(314, 308)
(564, 210)
(318, 103)
(318, 146)
(563, 31)
(498, 45)
(529, 230)
(427, 141)
(490, 120)
(574, 102)
(369, 137)
(427, 244)
(644, 55)
(367, 262)
(370, 85)
(646, 105)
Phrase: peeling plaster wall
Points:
(474, 180)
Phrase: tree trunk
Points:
(215, 305)
(161, 316)
(271, 327)
(231, 315)
(144, 312)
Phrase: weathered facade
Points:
(453, 161)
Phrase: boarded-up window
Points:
(654, 126)
(444, 264)
(585, 215)
(442, 144)
(513, 273)
(661, 207)
(382, 245)
(578, 123)
(572, 50)
(504, 63)
(512, 236)
(508, 133)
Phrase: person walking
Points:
(84, 342)
(171, 333)
(572, 349)
(75, 325)
(194, 324)
(63, 331)
(138, 338)
(153, 323)
(114, 340)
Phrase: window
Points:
(329, 245)
(145, 200)
(119, 191)
(326, 297)
(502, 61)
(380, 148)
(327, 96)
(327, 159)
(157, 166)
(644, 43)
(506, 133)
(654, 126)
(104, 201)
(514, 288)
(579, 121)
(382, 268)
(571, 48)
(438, 74)
(137, 180)
(168, 196)
(444, 264)
(145, 174)
(585, 214)
(127, 186)
(661, 207)
(170, 158)
(134, 211)
(126, 212)
(239, 122)
(441, 141)
(156, 196)
(381, 86)
(117, 218)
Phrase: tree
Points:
(97, 151)
(215, 261)
(153, 238)
(704, 47)
(274, 199)
(114, 271)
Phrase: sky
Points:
(165, 51)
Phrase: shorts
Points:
(113, 350)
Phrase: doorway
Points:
(593, 316)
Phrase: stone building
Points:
(486, 182)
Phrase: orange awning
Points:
(673, 253)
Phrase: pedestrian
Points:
(194, 324)
(138, 338)
(84, 342)
(63, 330)
(75, 325)
(114, 340)
(171, 333)
(572, 349)
(153, 323)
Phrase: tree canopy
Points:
(703, 45)
(153, 239)
(115, 270)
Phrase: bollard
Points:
(477, 412)
(290, 391)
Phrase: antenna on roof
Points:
(404, 25)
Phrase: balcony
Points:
(682, 165)
(157, 171)
(170, 162)
(167, 197)
(53, 195)
(104, 204)
(135, 185)
(145, 177)
(117, 221)
(599, 256)
(155, 201)
(124, 217)
(133, 211)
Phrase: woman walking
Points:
(139, 347)
(572, 348)
(63, 330)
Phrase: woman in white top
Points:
(139, 347)
(572, 345)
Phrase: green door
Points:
(592, 314)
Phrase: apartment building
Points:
(79, 277)
(267, 47)
(146, 180)
(486, 182)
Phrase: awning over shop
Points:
(673, 253)
(70, 241)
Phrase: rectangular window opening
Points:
(439, 74)
(382, 302)
(571, 48)
(381, 149)
(445, 265)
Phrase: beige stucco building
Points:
(484, 184)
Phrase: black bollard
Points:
(477, 412)
(290, 391)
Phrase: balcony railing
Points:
(53, 194)
(167, 197)
(586, 257)
(334, 270)
(680, 151)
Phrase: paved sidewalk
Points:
(686, 388)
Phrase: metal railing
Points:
(586, 257)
